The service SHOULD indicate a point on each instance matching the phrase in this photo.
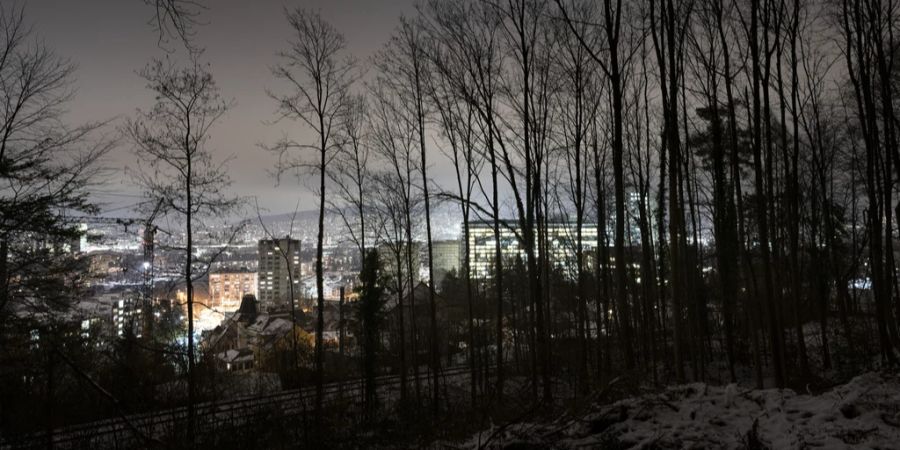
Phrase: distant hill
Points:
(445, 223)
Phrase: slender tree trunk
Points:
(49, 397)
(617, 92)
(435, 350)
(4, 273)
(733, 207)
(189, 287)
(498, 256)
(320, 285)
(404, 396)
(602, 294)
(467, 258)
(794, 199)
(340, 341)
(760, 87)
(664, 42)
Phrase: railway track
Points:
(144, 428)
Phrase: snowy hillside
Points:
(864, 413)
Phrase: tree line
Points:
(738, 160)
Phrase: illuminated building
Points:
(445, 257)
(279, 266)
(228, 287)
(561, 241)
(127, 315)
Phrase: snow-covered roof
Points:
(236, 355)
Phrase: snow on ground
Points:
(864, 413)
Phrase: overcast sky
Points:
(110, 40)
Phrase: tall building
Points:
(128, 315)
(228, 286)
(279, 265)
(561, 239)
(446, 256)
(125, 307)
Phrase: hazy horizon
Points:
(110, 41)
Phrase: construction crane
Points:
(150, 229)
(149, 245)
(125, 222)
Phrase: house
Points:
(242, 341)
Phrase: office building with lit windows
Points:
(446, 256)
(561, 241)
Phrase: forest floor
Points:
(862, 413)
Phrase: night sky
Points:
(110, 40)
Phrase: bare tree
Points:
(578, 103)
(667, 30)
(470, 58)
(526, 92)
(864, 52)
(369, 318)
(47, 170)
(46, 166)
(706, 48)
(403, 69)
(351, 176)
(319, 80)
(394, 134)
(180, 173)
(176, 19)
(458, 127)
(614, 63)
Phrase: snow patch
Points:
(864, 413)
